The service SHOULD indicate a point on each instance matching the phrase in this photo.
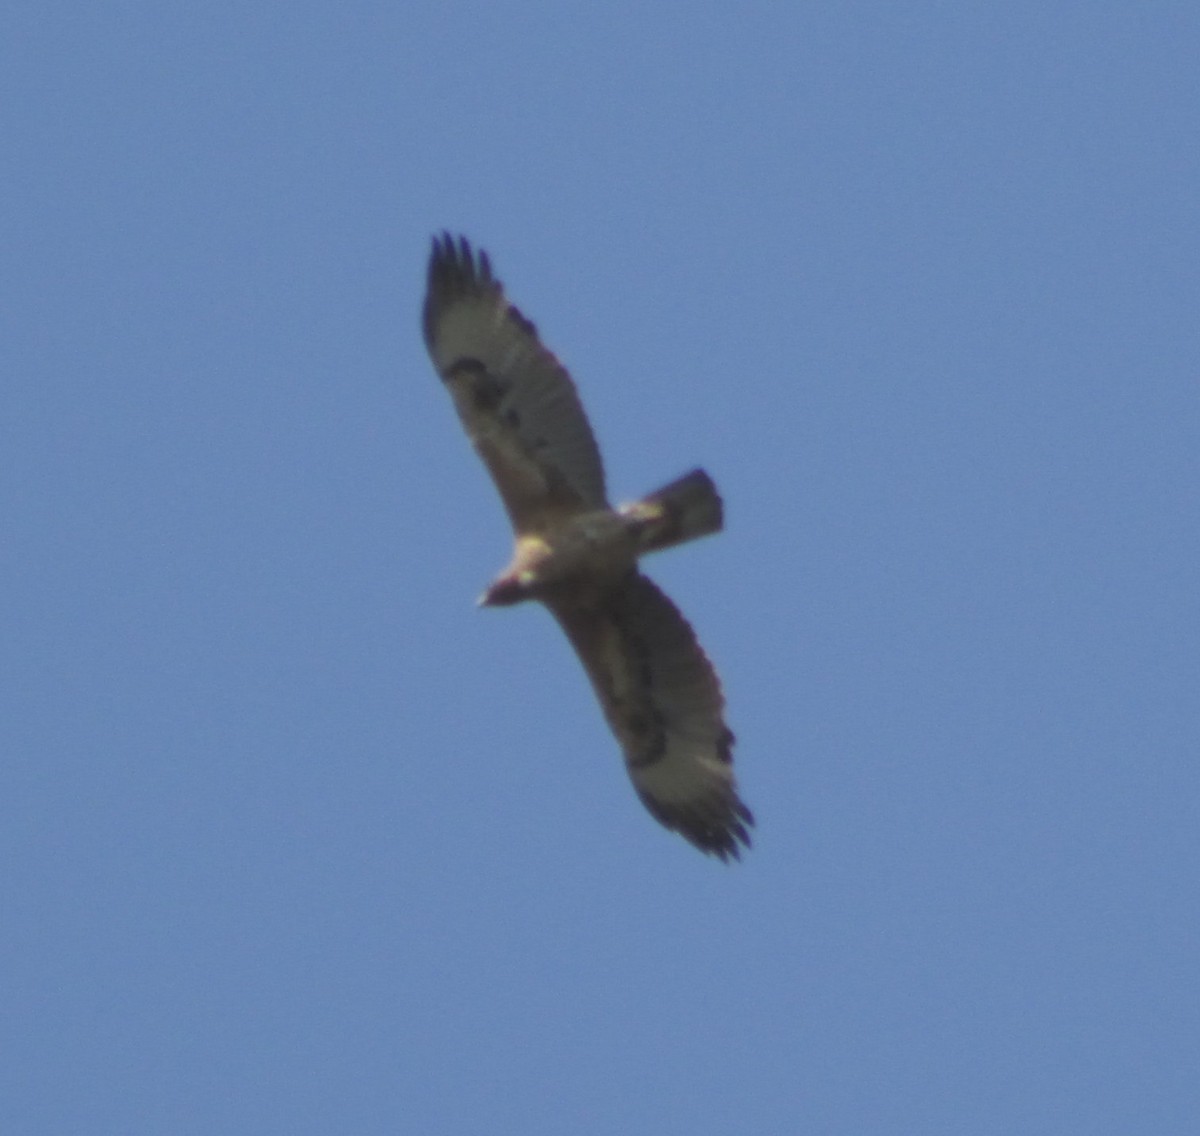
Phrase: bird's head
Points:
(506, 590)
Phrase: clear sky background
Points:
(295, 840)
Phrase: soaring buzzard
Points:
(579, 556)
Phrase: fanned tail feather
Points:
(687, 508)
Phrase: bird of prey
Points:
(579, 556)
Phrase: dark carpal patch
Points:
(487, 390)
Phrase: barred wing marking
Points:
(516, 400)
(663, 702)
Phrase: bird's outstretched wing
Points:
(516, 400)
(663, 701)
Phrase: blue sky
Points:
(296, 840)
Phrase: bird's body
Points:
(579, 557)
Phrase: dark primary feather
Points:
(456, 272)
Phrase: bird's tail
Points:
(687, 508)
